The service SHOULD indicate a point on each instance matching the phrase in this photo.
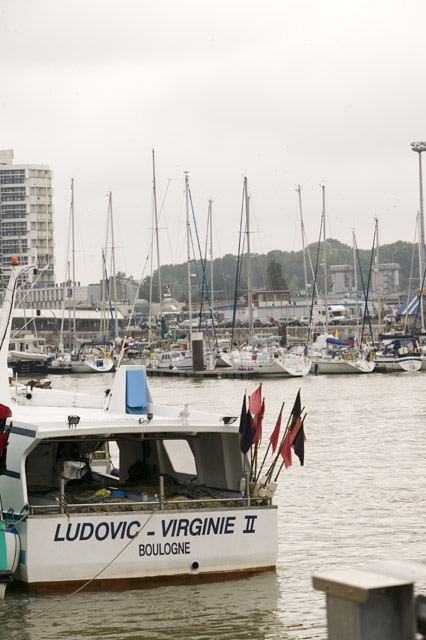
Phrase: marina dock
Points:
(220, 373)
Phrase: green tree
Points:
(275, 275)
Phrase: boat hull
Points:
(99, 365)
(398, 364)
(146, 547)
(341, 366)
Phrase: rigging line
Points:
(311, 311)
(411, 273)
(204, 275)
(238, 273)
(366, 312)
(363, 290)
(10, 312)
(419, 302)
(39, 613)
(114, 333)
(202, 311)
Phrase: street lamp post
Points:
(419, 147)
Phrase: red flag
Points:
(276, 432)
(5, 412)
(258, 419)
(286, 451)
(255, 401)
(294, 430)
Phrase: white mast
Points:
(188, 246)
(421, 266)
(249, 282)
(160, 296)
(299, 191)
(113, 274)
(73, 261)
(210, 217)
(378, 278)
(325, 258)
(355, 281)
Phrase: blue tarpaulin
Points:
(336, 341)
(136, 391)
(410, 306)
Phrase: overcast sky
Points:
(285, 92)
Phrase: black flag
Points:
(246, 428)
(299, 445)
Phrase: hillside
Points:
(281, 270)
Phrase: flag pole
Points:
(282, 463)
(253, 469)
(267, 450)
(274, 463)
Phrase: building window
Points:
(13, 228)
(12, 193)
(13, 211)
(14, 246)
(12, 176)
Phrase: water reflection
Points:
(239, 609)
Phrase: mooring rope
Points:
(39, 613)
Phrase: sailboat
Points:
(398, 352)
(329, 353)
(263, 357)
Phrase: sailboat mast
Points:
(113, 274)
(160, 296)
(188, 246)
(210, 225)
(325, 258)
(378, 278)
(305, 271)
(355, 282)
(249, 280)
(421, 273)
(73, 261)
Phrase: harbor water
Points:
(360, 496)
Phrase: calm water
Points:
(360, 496)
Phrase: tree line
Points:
(280, 270)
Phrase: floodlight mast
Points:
(419, 147)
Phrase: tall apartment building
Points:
(26, 216)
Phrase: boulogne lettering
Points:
(166, 549)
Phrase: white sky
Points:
(285, 92)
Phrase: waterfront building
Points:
(26, 216)
(341, 278)
(385, 279)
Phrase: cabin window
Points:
(181, 456)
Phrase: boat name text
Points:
(174, 528)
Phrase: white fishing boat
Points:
(176, 508)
